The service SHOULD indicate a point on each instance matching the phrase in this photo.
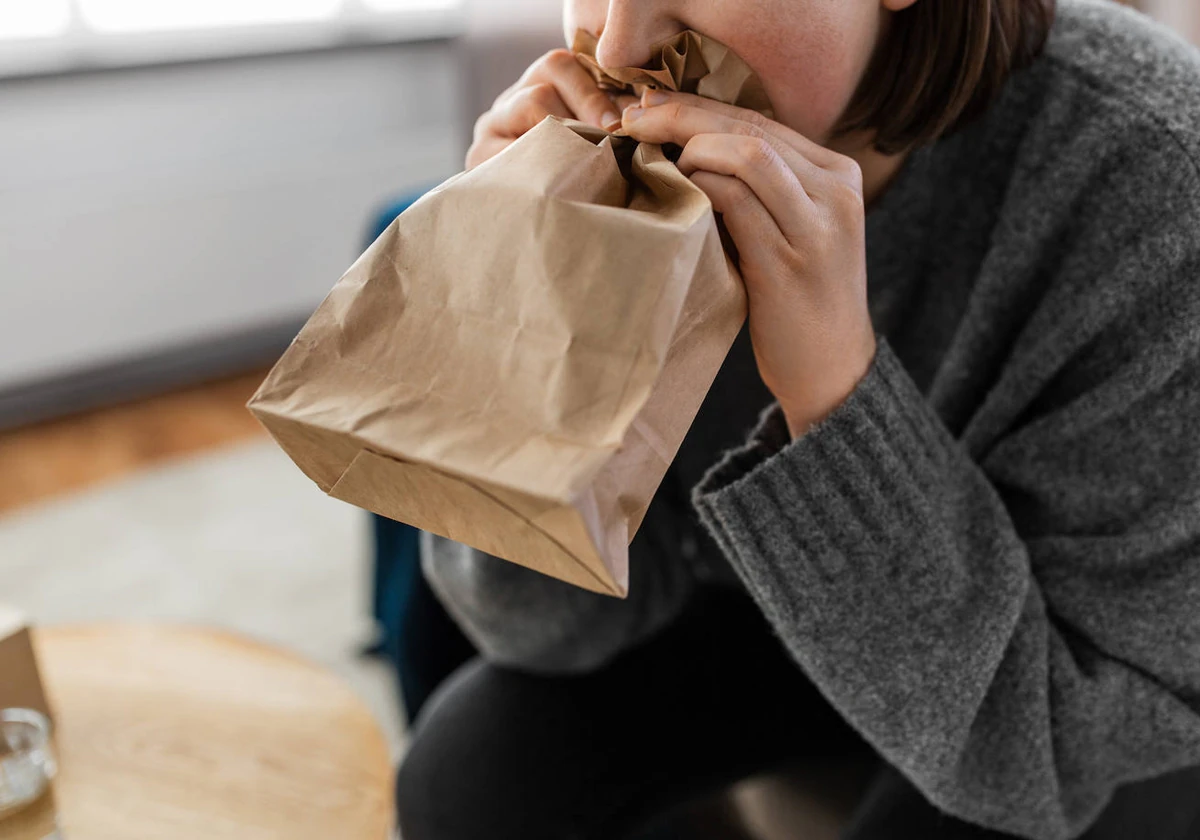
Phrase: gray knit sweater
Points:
(988, 558)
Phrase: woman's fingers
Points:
(485, 149)
(508, 120)
(678, 122)
(575, 86)
(624, 100)
(554, 85)
(745, 217)
(815, 152)
(521, 111)
(821, 170)
(758, 164)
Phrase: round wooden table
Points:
(186, 733)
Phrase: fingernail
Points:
(634, 112)
(611, 120)
(655, 97)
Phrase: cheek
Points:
(810, 62)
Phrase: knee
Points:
(424, 790)
(455, 781)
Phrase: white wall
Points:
(150, 208)
(503, 37)
(146, 208)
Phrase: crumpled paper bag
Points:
(514, 363)
(689, 62)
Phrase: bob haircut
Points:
(941, 64)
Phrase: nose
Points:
(631, 28)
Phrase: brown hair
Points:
(941, 63)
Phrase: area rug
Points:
(237, 538)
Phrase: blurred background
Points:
(182, 182)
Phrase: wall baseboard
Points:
(142, 376)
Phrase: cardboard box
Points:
(20, 682)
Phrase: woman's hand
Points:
(795, 212)
(554, 84)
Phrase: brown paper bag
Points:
(515, 361)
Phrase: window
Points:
(151, 15)
(56, 35)
(402, 5)
(33, 18)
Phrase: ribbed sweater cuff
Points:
(858, 483)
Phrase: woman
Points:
(964, 537)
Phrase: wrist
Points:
(801, 415)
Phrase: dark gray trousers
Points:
(710, 701)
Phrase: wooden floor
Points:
(43, 460)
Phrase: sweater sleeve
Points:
(1015, 675)
(525, 620)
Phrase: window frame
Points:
(80, 48)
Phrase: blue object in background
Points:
(416, 634)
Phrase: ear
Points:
(897, 5)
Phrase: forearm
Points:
(890, 567)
